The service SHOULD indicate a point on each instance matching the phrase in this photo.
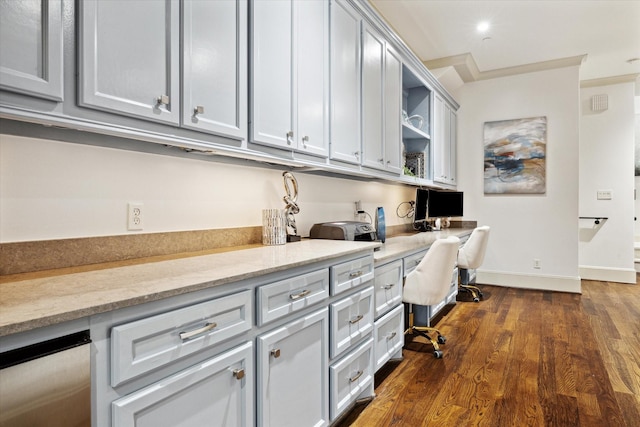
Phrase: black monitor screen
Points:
(445, 203)
(422, 198)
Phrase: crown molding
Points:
(614, 80)
(465, 65)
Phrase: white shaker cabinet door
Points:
(345, 83)
(311, 79)
(393, 111)
(272, 73)
(373, 51)
(214, 67)
(217, 392)
(128, 57)
(293, 373)
(31, 48)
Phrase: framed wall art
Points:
(515, 156)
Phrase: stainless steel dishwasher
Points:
(47, 383)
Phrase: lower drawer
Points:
(349, 377)
(389, 336)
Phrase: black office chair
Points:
(429, 284)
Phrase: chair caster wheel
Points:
(442, 339)
(476, 299)
(437, 354)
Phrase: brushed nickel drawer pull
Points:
(207, 327)
(275, 352)
(299, 295)
(358, 375)
(238, 373)
(356, 274)
(389, 286)
(391, 336)
(356, 319)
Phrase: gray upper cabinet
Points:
(129, 57)
(289, 75)
(373, 52)
(345, 82)
(214, 67)
(392, 113)
(31, 50)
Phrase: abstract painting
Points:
(515, 156)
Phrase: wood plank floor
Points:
(520, 358)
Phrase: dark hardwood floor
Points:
(520, 358)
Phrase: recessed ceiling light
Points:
(483, 26)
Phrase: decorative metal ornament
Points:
(291, 208)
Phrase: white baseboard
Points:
(606, 274)
(527, 281)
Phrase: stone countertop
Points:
(399, 246)
(31, 301)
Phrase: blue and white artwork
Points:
(515, 156)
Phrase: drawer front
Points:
(351, 274)
(412, 261)
(282, 298)
(349, 377)
(389, 336)
(351, 320)
(216, 392)
(388, 287)
(141, 346)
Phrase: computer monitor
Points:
(420, 208)
(445, 203)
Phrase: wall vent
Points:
(599, 102)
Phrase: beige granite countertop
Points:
(398, 246)
(31, 301)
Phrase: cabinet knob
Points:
(305, 139)
(162, 100)
(275, 353)
(290, 137)
(381, 161)
(238, 373)
(357, 154)
(198, 110)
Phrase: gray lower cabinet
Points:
(129, 57)
(214, 66)
(216, 392)
(31, 52)
(389, 336)
(292, 383)
(351, 320)
(388, 287)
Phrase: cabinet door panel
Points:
(351, 320)
(345, 83)
(215, 66)
(311, 81)
(31, 48)
(292, 366)
(129, 57)
(393, 109)
(350, 376)
(272, 38)
(388, 287)
(373, 48)
(216, 392)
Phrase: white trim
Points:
(608, 274)
(528, 281)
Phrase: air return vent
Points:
(599, 102)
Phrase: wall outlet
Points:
(604, 194)
(536, 263)
(135, 217)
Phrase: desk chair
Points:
(471, 256)
(429, 284)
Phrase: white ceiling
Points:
(522, 32)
